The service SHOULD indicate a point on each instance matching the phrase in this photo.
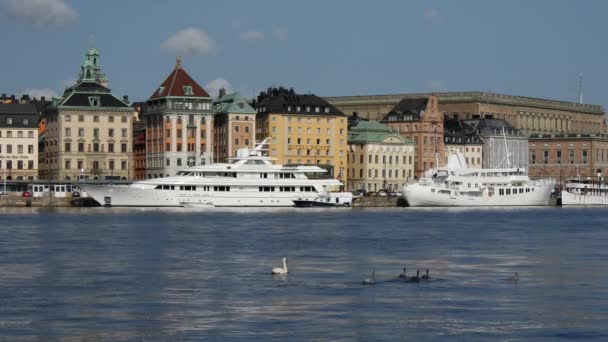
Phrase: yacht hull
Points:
(130, 196)
(588, 198)
(418, 195)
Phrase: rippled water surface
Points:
(101, 274)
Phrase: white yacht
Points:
(457, 185)
(249, 180)
(585, 191)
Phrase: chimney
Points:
(42, 98)
(125, 99)
(222, 92)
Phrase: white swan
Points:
(278, 270)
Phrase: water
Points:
(101, 274)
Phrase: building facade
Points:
(420, 121)
(88, 131)
(302, 129)
(378, 158)
(527, 114)
(18, 141)
(499, 139)
(179, 122)
(471, 147)
(567, 156)
(234, 125)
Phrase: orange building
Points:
(419, 120)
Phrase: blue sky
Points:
(531, 48)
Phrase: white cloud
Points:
(281, 33)
(213, 87)
(252, 36)
(41, 12)
(38, 93)
(68, 82)
(190, 42)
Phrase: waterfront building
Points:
(302, 129)
(567, 156)
(89, 130)
(420, 121)
(18, 141)
(498, 137)
(378, 158)
(471, 147)
(526, 114)
(179, 122)
(139, 143)
(234, 126)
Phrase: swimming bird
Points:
(402, 275)
(415, 278)
(371, 280)
(426, 276)
(513, 279)
(278, 270)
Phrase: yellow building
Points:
(302, 130)
(379, 158)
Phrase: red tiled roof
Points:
(175, 83)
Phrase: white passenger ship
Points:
(250, 180)
(457, 185)
(588, 191)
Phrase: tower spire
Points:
(580, 88)
(178, 62)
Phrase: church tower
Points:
(90, 70)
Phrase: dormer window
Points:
(160, 90)
(9, 121)
(26, 121)
(187, 90)
(94, 101)
(289, 108)
(326, 109)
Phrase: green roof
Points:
(233, 104)
(367, 132)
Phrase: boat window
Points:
(264, 175)
(266, 188)
(287, 188)
(159, 187)
(508, 191)
(221, 188)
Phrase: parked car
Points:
(75, 194)
(395, 194)
(26, 194)
(382, 193)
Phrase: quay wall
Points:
(17, 201)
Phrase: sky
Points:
(329, 48)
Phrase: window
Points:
(246, 129)
(545, 156)
(236, 141)
(68, 117)
(9, 148)
(236, 129)
(558, 157)
(532, 156)
(168, 162)
(20, 164)
(111, 163)
(9, 134)
(80, 164)
(111, 132)
(179, 132)
(68, 131)
(30, 164)
(111, 118)
(179, 161)
(96, 147)
(80, 149)
(571, 156)
(9, 121)
(124, 133)
(584, 157)
(110, 147)
(123, 164)
(81, 118)
(96, 118)
(123, 119)
(19, 134)
(67, 147)
(20, 149)
(179, 147)
(123, 148)
(94, 102)
(81, 132)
